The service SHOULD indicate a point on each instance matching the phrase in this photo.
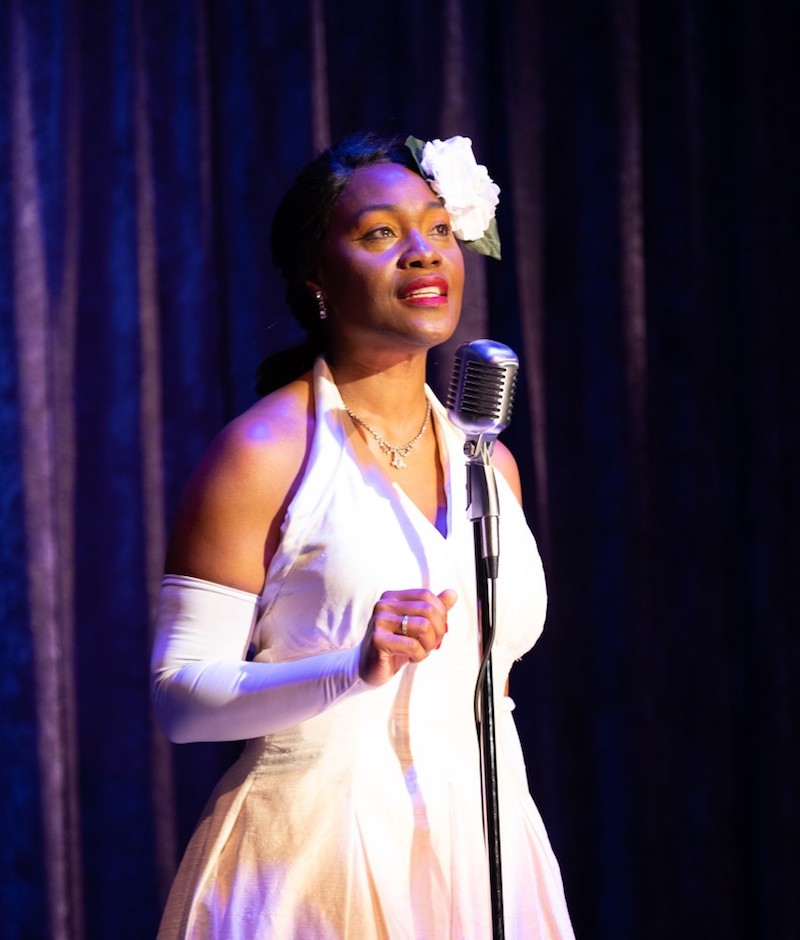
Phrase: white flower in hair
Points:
(469, 194)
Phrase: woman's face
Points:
(391, 269)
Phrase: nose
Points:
(418, 252)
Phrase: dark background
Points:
(648, 157)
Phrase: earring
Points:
(323, 313)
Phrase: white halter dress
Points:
(365, 822)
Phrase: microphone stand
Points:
(484, 511)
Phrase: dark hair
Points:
(299, 228)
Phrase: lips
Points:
(425, 290)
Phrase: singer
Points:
(319, 599)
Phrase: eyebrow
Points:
(392, 207)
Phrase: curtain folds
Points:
(647, 156)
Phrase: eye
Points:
(442, 228)
(379, 232)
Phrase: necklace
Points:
(398, 451)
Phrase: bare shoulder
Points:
(506, 463)
(230, 515)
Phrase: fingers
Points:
(406, 626)
(413, 623)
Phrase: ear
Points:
(313, 284)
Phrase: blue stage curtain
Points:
(648, 157)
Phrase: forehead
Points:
(383, 185)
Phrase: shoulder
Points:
(272, 434)
(506, 463)
(229, 519)
(275, 428)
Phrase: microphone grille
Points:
(482, 386)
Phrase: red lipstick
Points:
(426, 290)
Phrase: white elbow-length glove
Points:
(203, 688)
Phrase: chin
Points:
(438, 330)
(441, 335)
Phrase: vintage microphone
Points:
(479, 401)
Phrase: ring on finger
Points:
(404, 625)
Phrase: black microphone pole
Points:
(484, 512)
(480, 401)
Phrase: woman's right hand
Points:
(406, 626)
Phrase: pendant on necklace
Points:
(397, 452)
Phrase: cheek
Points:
(457, 275)
(350, 282)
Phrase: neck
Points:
(379, 385)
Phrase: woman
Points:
(325, 532)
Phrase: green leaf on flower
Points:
(416, 146)
(488, 244)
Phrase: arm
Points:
(506, 463)
(204, 690)
(226, 534)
